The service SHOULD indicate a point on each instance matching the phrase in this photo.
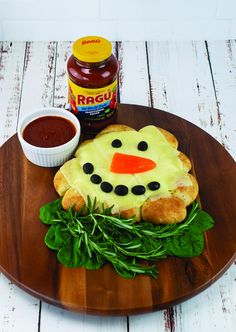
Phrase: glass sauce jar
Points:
(92, 85)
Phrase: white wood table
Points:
(194, 80)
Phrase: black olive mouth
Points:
(120, 189)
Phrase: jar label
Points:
(92, 104)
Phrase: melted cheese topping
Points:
(99, 152)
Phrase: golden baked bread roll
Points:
(138, 173)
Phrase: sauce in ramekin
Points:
(49, 131)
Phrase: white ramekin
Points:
(49, 157)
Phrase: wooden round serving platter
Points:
(26, 260)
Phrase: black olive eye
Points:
(96, 179)
(88, 168)
(142, 146)
(116, 143)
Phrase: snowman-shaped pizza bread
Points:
(138, 173)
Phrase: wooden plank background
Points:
(195, 80)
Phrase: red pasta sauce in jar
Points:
(92, 84)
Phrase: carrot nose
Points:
(129, 164)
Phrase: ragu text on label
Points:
(83, 100)
(92, 41)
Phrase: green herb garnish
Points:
(97, 237)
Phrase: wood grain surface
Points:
(31, 265)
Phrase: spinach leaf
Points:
(56, 236)
(74, 254)
(68, 254)
(203, 221)
(189, 244)
(48, 212)
(94, 262)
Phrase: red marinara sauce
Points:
(49, 131)
(92, 85)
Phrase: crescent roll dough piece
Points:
(60, 183)
(185, 161)
(187, 193)
(115, 127)
(170, 210)
(169, 137)
(134, 212)
(72, 198)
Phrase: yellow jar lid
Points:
(92, 49)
